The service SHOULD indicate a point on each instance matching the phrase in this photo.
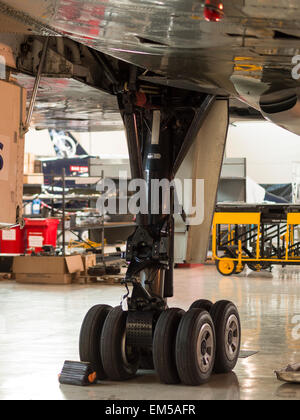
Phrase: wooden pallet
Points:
(105, 279)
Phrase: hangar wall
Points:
(270, 150)
(104, 143)
(98, 144)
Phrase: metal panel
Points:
(69, 104)
(234, 168)
(237, 218)
(232, 190)
(204, 161)
(293, 219)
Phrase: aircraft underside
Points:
(249, 55)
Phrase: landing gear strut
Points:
(161, 125)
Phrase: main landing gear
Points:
(182, 346)
(144, 333)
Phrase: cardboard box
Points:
(47, 270)
(42, 278)
(38, 167)
(33, 179)
(26, 167)
(88, 260)
(12, 116)
(29, 163)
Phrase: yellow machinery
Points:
(88, 244)
(258, 236)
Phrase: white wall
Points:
(103, 144)
(270, 150)
(38, 143)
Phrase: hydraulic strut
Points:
(160, 128)
(150, 249)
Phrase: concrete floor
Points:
(39, 328)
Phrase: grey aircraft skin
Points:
(247, 55)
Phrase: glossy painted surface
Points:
(39, 328)
(247, 55)
(67, 103)
(173, 38)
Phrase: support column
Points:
(203, 161)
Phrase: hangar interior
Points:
(149, 224)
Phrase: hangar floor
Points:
(39, 327)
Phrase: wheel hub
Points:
(206, 348)
(203, 347)
(232, 335)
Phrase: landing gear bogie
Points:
(180, 346)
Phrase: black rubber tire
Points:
(96, 271)
(220, 313)
(202, 304)
(187, 350)
(164, 345)
(252, 266)
(115, 367)
(112, 270)
(90, 336)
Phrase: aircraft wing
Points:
(70, 104)
(247, 55)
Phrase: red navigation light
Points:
(213, 10)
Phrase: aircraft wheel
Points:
(90, 335)
(195, 347)
(226, 266)
(120, 361)
(228, 335)
(164, 343)
(202, 304)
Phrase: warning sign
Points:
(9, 235)
(35, 241)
